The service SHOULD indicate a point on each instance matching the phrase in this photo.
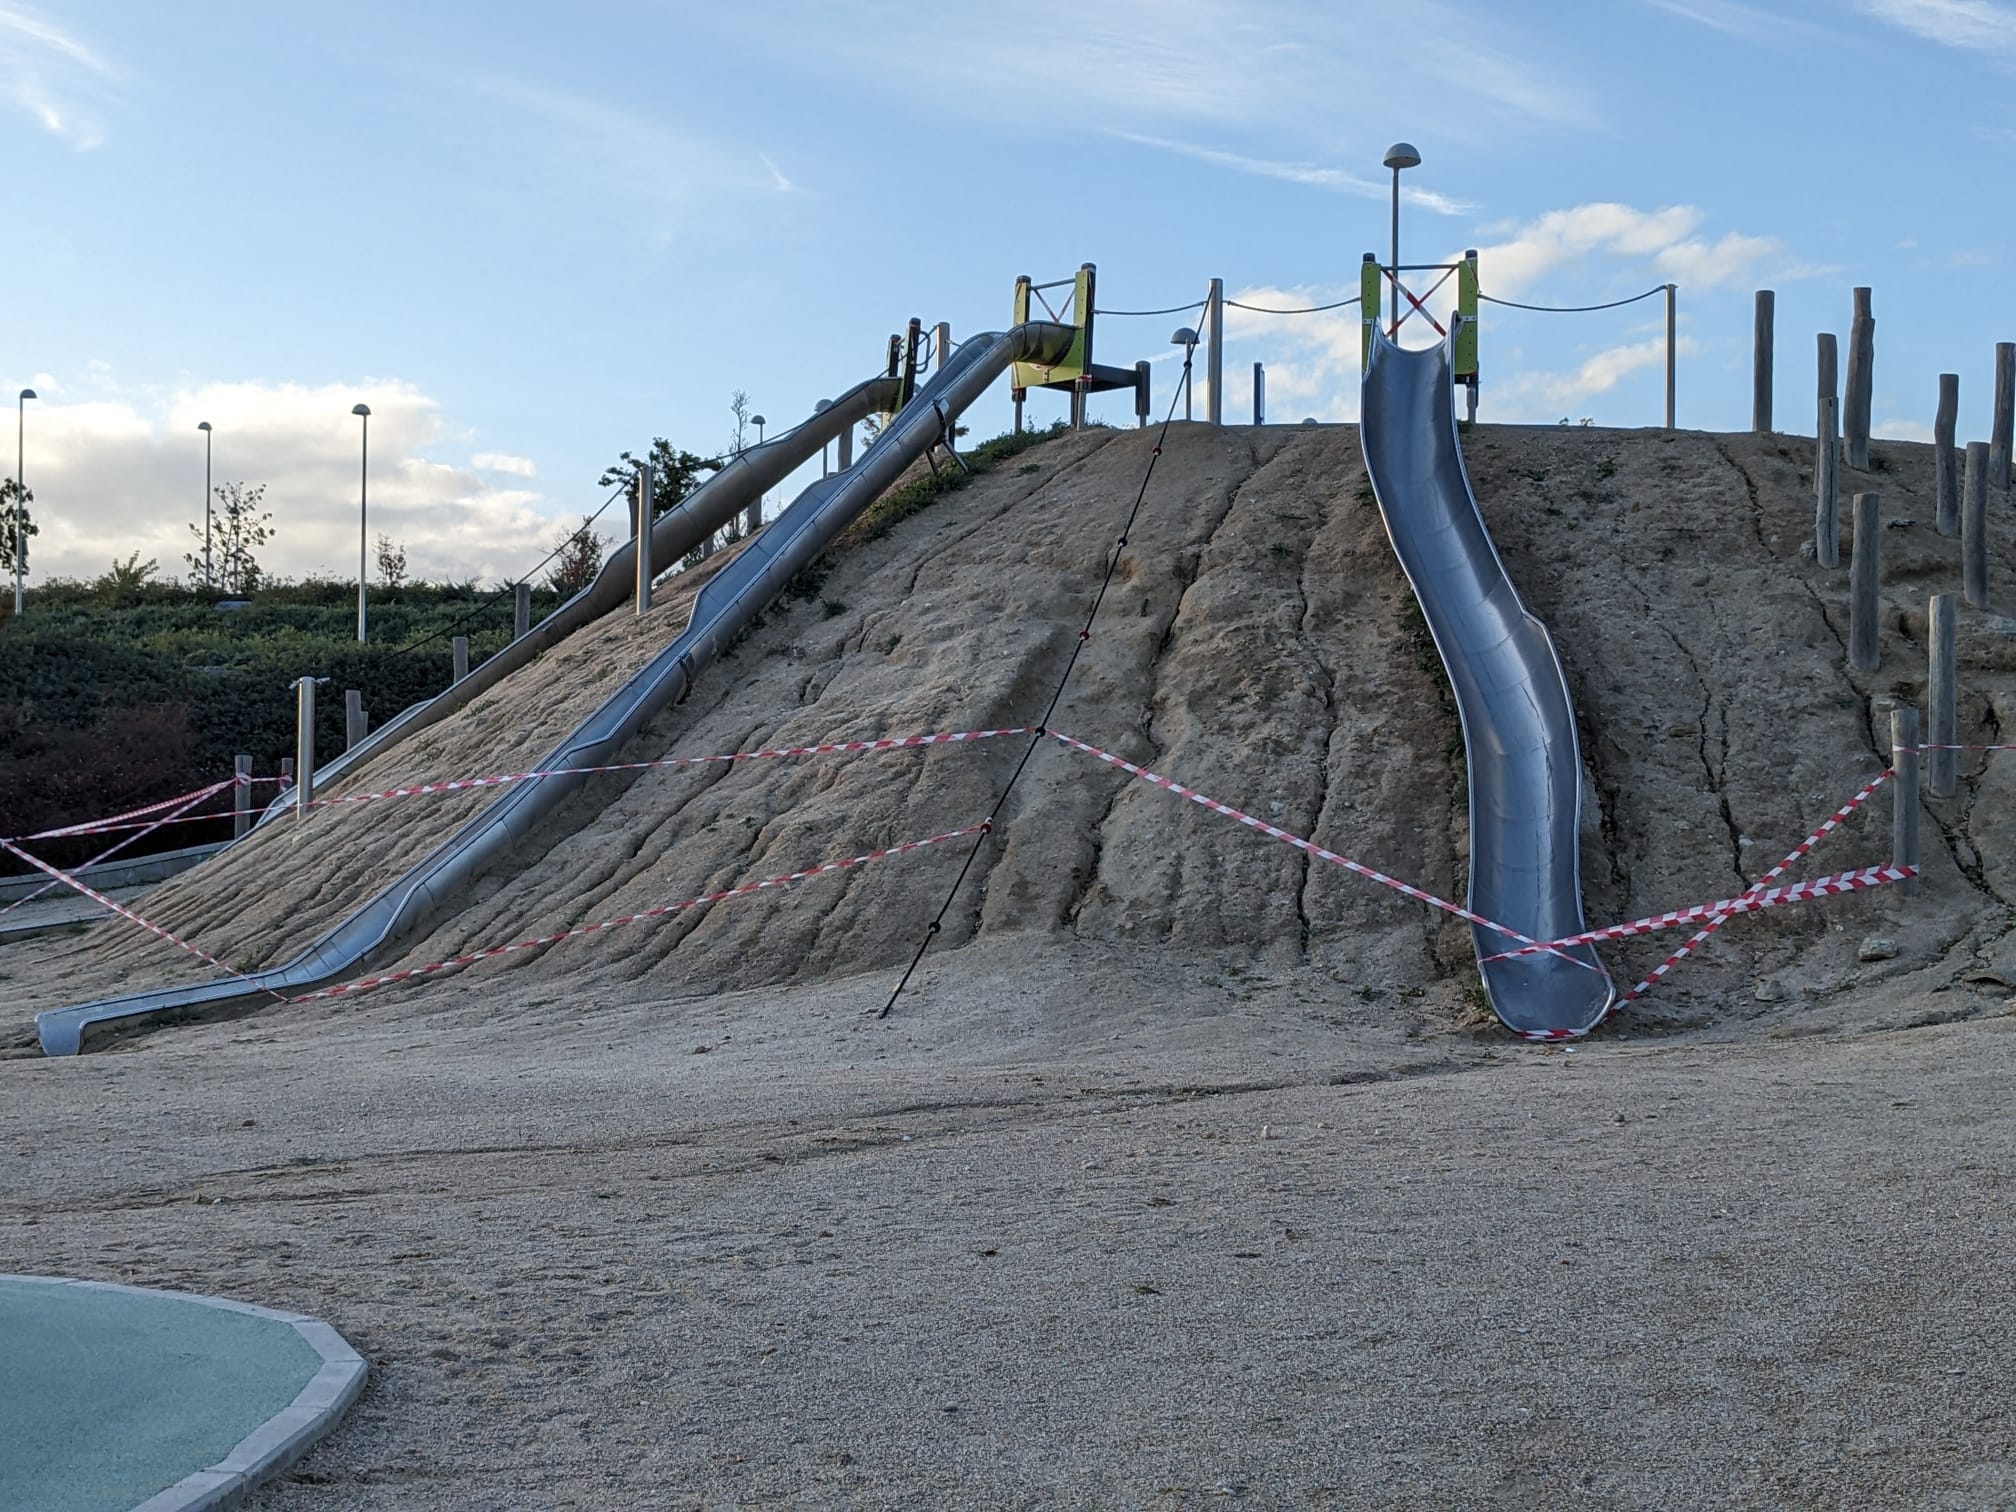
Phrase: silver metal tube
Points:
(1672, 291)
(363, 484)
(1394, 330)
(459, 650)
(1942, 774)
(1259, 393)
(640, 534)
(353, 708)
(304, 744)
(521, 610)
(241, 806)
(1904, 792)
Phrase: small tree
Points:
(577, 558)
(391, 562)
(738, 406)
(11, 495)
(674, 474)
(126, 578)
(238, 527)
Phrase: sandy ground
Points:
(1190, 1173)
(1063, 1233)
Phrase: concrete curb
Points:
(281, 1439)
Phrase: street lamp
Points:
(1399, 155)
(759, 422)
(1186, 339)
(819, 409)
(362, 412)
(20, 494)
(209, 582)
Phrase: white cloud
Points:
(56, 79)
(115, 475)
(1748, 22)
(1901, 430)
(1970, 25)
(1545, 395)
(504, 462)
(1310, 174)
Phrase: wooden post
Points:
(460, 644)
(521, 609)
(304, 744)
(1827, 486)
(941, 345)
(1945, 460)
(1974, 527)
(353, 718)
(241, 816)
(1942, 774)
(1259, 393)
(640, 512)
(1761, 361)
(1864, 653)
(2005, 414)
(1214, 332)
(1904, 792)
(1672, 314)
(1141, 371)
(1828, 366)
(1861, 382)
(286, 773)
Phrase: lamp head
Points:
(29, 394)
(1184, 337)
(361, 409)
(758, 420)
(1402, 155)
(203, 425)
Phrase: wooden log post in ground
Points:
(1827, 486)
(1861, 383)
(1762, 337)
(1904, 792)
(2005, 415)
(1942, 732)
(353, 719)
(521, 609)
(1864, 652)
(1974, 527)
(241, 804)
(1945, 457)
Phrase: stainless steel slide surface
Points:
(721, 611)
(1525, 765)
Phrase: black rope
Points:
(1576, 309)
(1172, 310)
(1042, 731)
(1311, 310)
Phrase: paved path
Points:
(114, 1397)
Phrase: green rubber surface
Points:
(108, 1397)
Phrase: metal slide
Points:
(721, 611)
(1525, 766)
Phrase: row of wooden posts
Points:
(1961, 508)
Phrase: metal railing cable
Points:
(1183, 309)
(1040, 731)
(1514, 304)
(1301, 310)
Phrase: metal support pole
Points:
(1904, 792)
(353, 712)
(1761, 339)
(363, 535)
(1259, 393)
(521, 609)
(1016, 394)
(286, 773)
(460, 648)
(1672, 323)
(2005, 414)
(913, 337)
(1861, 382)
(1864, 652)
(304, 744)
(1827, 486)
(241, 805)
(844, 457)
(641, 520)
(1945, 459)
(1974, 527)
(1141, 398)
(1470, 402)
(1942, 710)
(1214, 332)
(941, 345)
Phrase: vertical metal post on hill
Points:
(353, 709)
(843, 455)
(642, 516)
(1864, 653)
(2005, 414)
(1141, 404)
(1945, 460)
(1762, 334)
(1861, 382)
(1214, 333)
(1942, 774)
(941, 345)
(1259, 393)
(304, 744)
(521, 609)
(1827, 486)
(1672, 324)
(458, 648)
(1974, 527)
(1904, 792)
(241, 806)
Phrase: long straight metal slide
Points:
(1525, 766)
(721, 611)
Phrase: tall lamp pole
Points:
(1399, 155)
(363, 413)
(209, 582)
(20, 493)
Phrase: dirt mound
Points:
(1258, 643)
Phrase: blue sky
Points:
(533, 236)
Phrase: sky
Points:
(533, 237)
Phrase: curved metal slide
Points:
(721, 611)
(1525, 766)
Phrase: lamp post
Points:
(759, 422)
(363, 413)
(819, 409)
(209, 582)
(1399, 155)
(1186, 339)
(20, 493)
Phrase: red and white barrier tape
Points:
(365, 983)
(126, 913)
(114, 821)
(1275, 832)
(118, 845)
